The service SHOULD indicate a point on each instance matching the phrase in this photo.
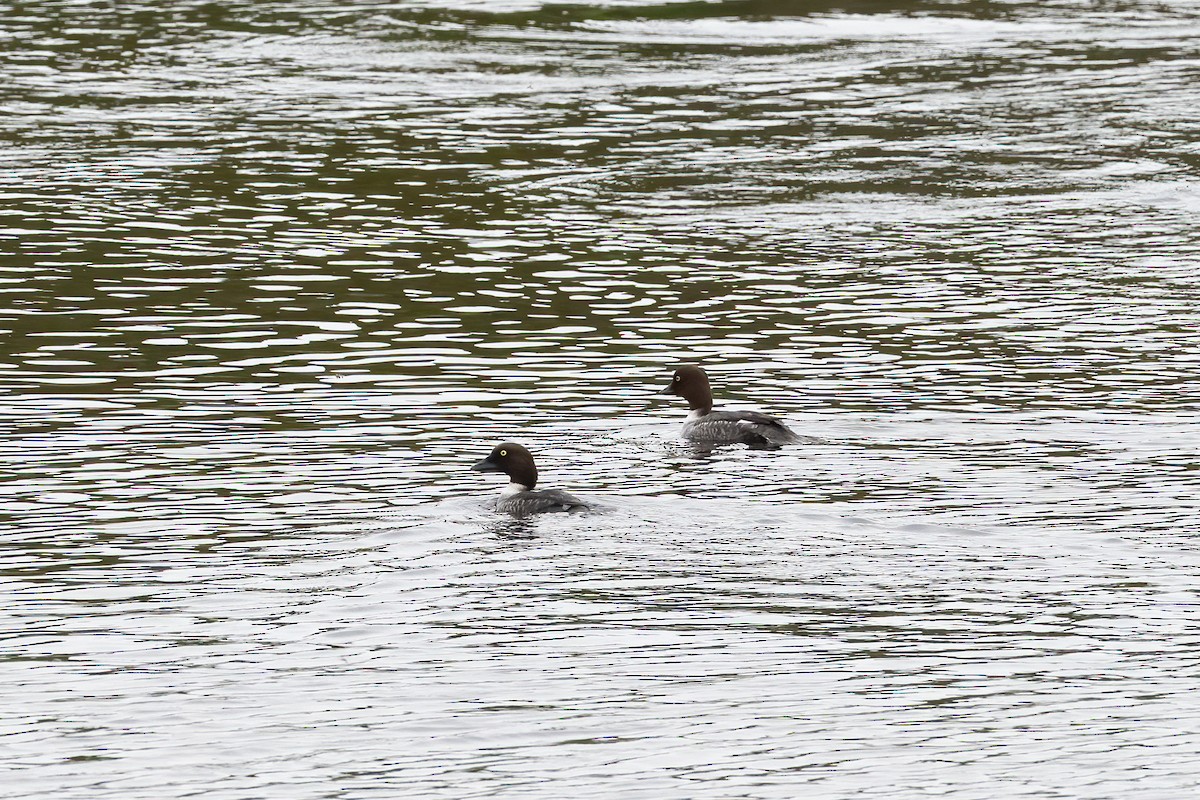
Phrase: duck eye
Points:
(677, 379)
(503, 452)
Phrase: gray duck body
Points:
(519, 497)
(723, 427)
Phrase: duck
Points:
(519, 497)
(723, 427)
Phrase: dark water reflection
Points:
(272, 275)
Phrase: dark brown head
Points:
(691, 383)
(514, 461)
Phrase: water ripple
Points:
(272, 276)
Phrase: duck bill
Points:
(486, 466)
(669, 390)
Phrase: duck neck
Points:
(523, 475)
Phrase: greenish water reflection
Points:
(273, 275)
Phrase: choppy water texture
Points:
(273, 275)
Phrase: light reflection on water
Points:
(272, 277)
(377, 656)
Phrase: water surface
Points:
(272, 276)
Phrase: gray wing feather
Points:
(750, 427)
(540, 501)
(558, 500)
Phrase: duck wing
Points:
(757, 428)
(526, 503)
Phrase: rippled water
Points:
(273, 275)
